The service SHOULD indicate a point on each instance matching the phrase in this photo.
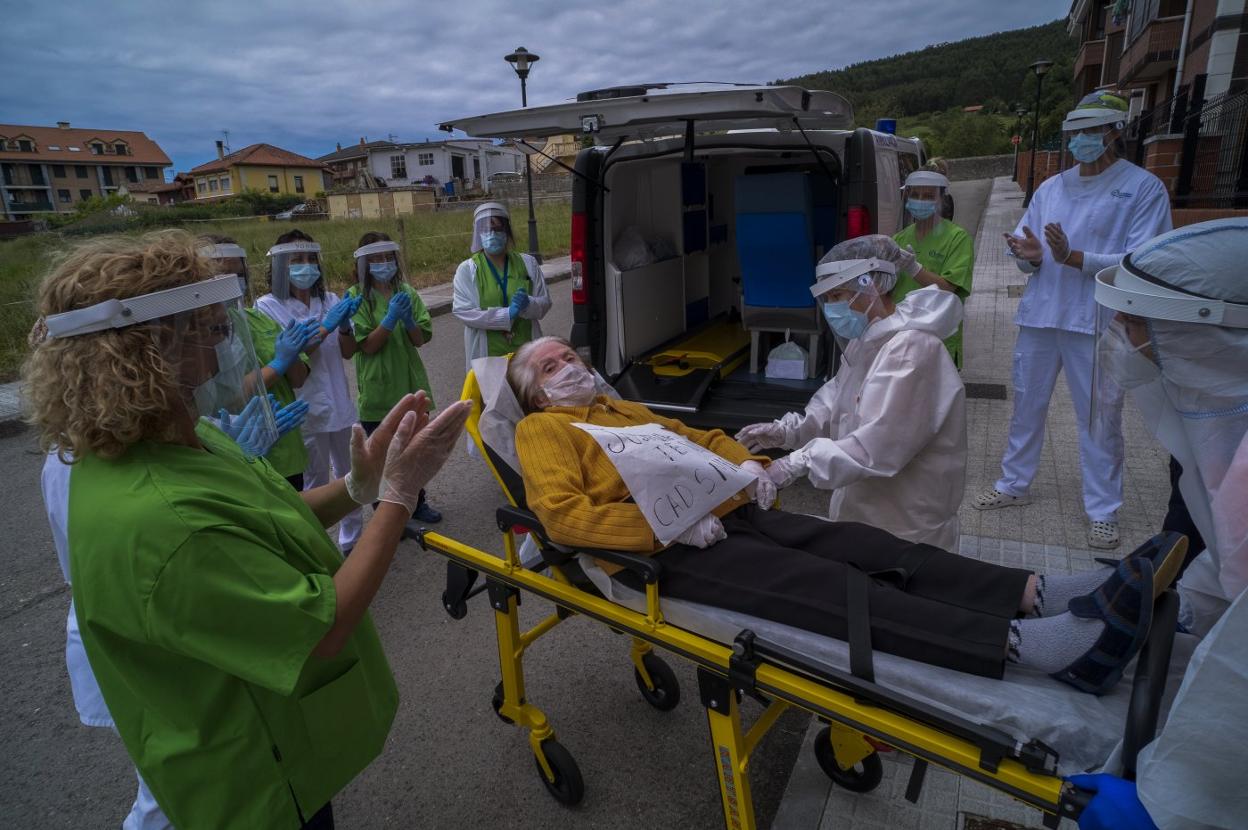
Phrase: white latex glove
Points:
(368, 453)
(415, 455)
(785, 471)
(763, 491)
(705, 532)
(907, 263)
(763, 436)
(1059, 243)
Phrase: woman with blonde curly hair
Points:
(231, 643)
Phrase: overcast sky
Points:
(305, 75)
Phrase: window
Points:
(212, 185)
(132, 174)
(203, 186)
(424, 159)
(398, 167)
(97, 149)
(225, 184)
(84, 194)
(121, 149)
(75, 149)
(298, 184)
(151, 172)
(54, 146)
(25, 145)
(58, 170)
(273, 184)
(63, 196)
(80, 170)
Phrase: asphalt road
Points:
(449, 762)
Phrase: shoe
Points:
(1103, 535)
(1167, 551)
(992, 499)
(1124, 602)
(425, 514)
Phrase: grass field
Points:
(433, 244)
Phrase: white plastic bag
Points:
(630, 250)
(788, 360)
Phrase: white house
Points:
(470, 160)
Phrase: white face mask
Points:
(224, 388)
(573, 385)
(1123, 360)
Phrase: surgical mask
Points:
(920, 208)
(845, 321)
(222, 389)
(494, 242)
(1086, 148)
(573, 385)
(1124, 361)
(304, 274)
(383, 271)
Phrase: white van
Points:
(697, 219)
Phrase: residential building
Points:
(55, 168)
(469, 161)
(261, 167)
(181, 189)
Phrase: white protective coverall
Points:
(888, 432)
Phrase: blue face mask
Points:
(494, 242)
(920, 208)
(844, 321)
(383, 271)
(1086, 148)
(304, 274)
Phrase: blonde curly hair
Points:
(99, 393)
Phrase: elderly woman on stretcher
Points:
(600, 472)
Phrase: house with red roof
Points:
(261, 167)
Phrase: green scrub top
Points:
(202, 582)
(494, 292)
(288, 456)
(948, 252)
(395, 369)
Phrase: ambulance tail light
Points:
(579, 245)
(858, 221)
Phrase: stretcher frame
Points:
(862, 716)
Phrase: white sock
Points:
(1055, 591)
(1051, 644)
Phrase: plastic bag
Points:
(630, 250)
(788, 360)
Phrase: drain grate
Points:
(990, 391)
(1014, 291)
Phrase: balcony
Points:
(1091, 56)
(23, 175)
(1153, 52)
(28, 206)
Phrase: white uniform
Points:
(145, 813)
(331, 411)
(1105, 216)
(888, 432)
(477, 321)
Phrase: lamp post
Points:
(1019, 112)
(522, 60)
(1040, 67)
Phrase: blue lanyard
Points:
(500, 282)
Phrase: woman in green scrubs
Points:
(231, 642)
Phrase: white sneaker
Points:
(1103, 535)
(992, 499)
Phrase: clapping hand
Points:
(1026, 247)
(1059, 245)
(519, 302)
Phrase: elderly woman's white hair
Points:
(871, 246)
(522, 373)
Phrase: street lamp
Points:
(1040, 67)
(522, 60)
(1019, 112)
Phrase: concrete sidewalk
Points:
(437, 298)
(1050, 534)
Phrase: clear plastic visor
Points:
(379, 262)
(1125, 359)
(295, 265)
(491, 220)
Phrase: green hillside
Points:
(927, 89)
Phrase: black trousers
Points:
(943, 609)
(296, 481)
(1179, 519)
(322, 820)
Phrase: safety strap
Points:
(858, 619)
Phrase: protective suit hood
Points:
(929, 309)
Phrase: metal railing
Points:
(1214, 166)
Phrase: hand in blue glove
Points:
(290, 416)
(249, 428)
(1115, 805)
(290, 343)
(399, 308)
(342, 311)
(519, 302)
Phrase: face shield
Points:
(202, 330)
(296, 264)
(229, 259)
(923, 195)
(848, 292)
(491, 223)
(380, 261)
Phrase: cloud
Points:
(307, 75)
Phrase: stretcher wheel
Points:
(863, 777)
(497, 703)
(666, 693)
(568, 787)
(457, 610)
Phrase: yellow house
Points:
(261, 167)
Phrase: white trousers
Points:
(146, 813)
(329, 457)
(1038, 356)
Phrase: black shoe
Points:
(425, 514)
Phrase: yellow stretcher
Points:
(860, 714)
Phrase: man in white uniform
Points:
(1090, 216)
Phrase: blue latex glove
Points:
(342, 312)
(400, 307)
(1116, 805)
(519, 302)
(290, 343)
(248, 428)
(290, 416)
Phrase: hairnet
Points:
(481, 221)
(872, 246)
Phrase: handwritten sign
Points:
(673, 480)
